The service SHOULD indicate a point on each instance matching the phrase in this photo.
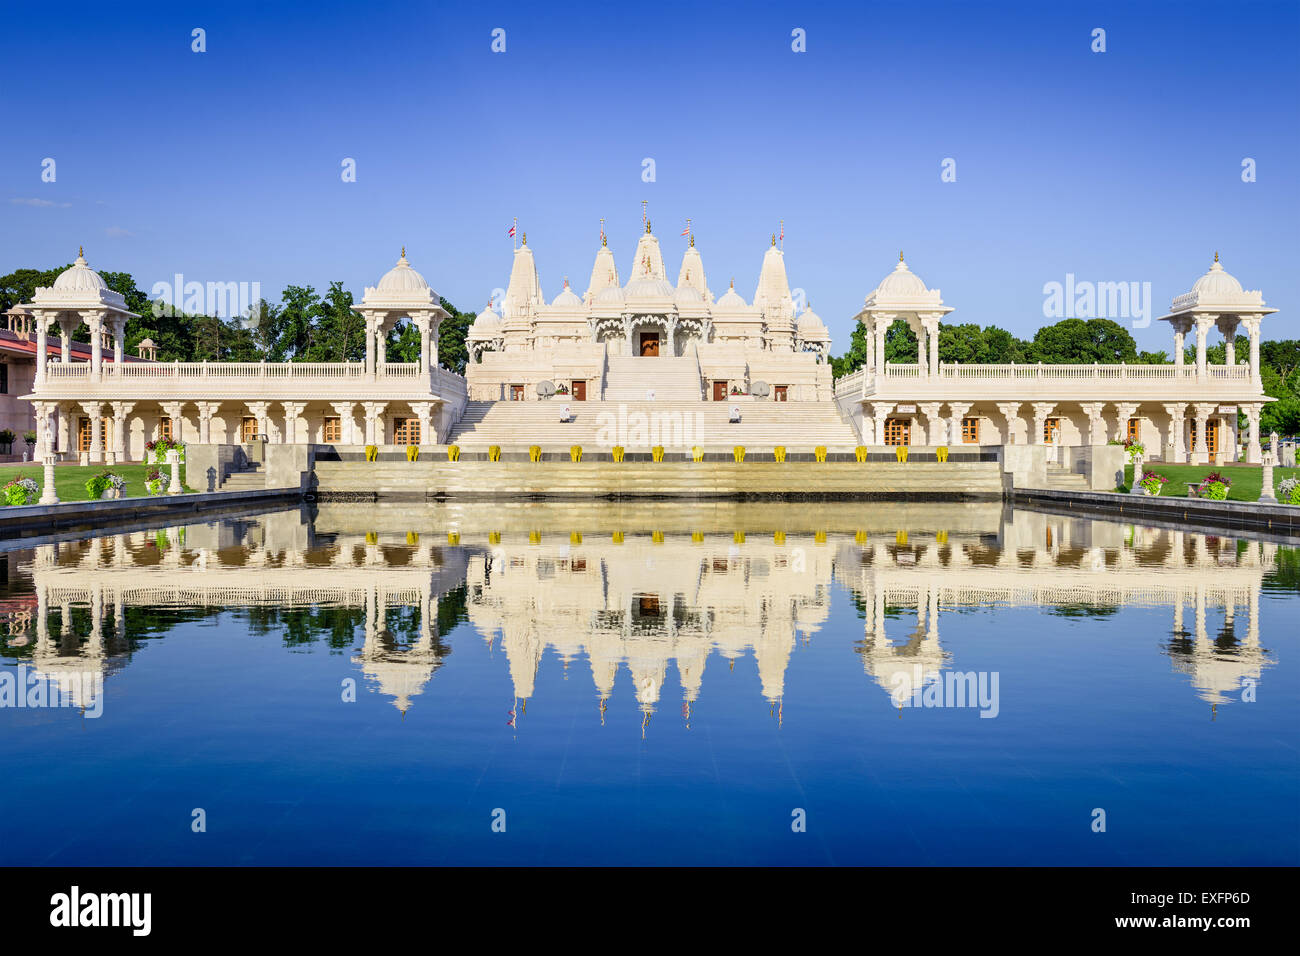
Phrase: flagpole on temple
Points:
(514, 236)
(783, 235)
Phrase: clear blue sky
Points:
(225, 166)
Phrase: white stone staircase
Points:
(639, 425)
(1062, 479)
(672, 378)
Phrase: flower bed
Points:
(1288, 492)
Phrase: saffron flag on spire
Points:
(687, 230)
(511, 231)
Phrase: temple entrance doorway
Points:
(719, 391)
(649, 344)
(579, 391)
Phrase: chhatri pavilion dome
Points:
(402, 278)
(567, 299)
(901, 282)
(79, 277)
(1217, 283)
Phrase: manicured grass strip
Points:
(70, 480)
(1246, 480)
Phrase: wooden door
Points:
(248, 430)
(780, 392)
(649, 344)
(579, 391)
(898, 431)
(719, 391)
(406, 431)
(1212, 438)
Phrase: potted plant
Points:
(154, 481)
(1214, 486)
(1152, 483)
(7, 442)
(105, 485)
(1288, 491)
(21, 491)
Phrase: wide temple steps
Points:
(676, 425)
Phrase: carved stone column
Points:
(374, 422)
(1123, 412)
(175, 411)
(1254, 454)
(344, 411)
(206, 411)
(291, 412)
(1203, 325)
(1011, 412)
(424, 414)
(1252, 324)
(121, 416)
(258, 410)
(42, 345)
(934, 423)
(1201, 450)
(1096, 424)
(880, 411)
(95, 322)
(1177, 413)
(95, 413)
(956, 412)
(1041, 412)
(1227, 325)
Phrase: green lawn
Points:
(70, 480)
(1246, 479)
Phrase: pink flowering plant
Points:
(1153, 483)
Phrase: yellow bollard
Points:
(860, 538)
(697, 453)
(534, 537)
(534, 452)
(819, 537)
(618, 537)
(941, 453)
(697, 537)
(738, 453)
(575, 453)
(453, 453)
(412, 537)
(657, 452)
(900, 452)
(453, 537)
(900, 538)
(412, 452)
(494, 537)
(657, 537)
(494, 453)
(617, 452)
(779, 453)
(372, 537)
(941, 537)
(372, 453)
(860, 453)
(575, 537)
(738, 537)
(778, 537)
(820, 452)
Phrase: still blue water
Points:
(652, 684)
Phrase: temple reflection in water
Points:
(618, 586)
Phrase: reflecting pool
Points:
(651, 683)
